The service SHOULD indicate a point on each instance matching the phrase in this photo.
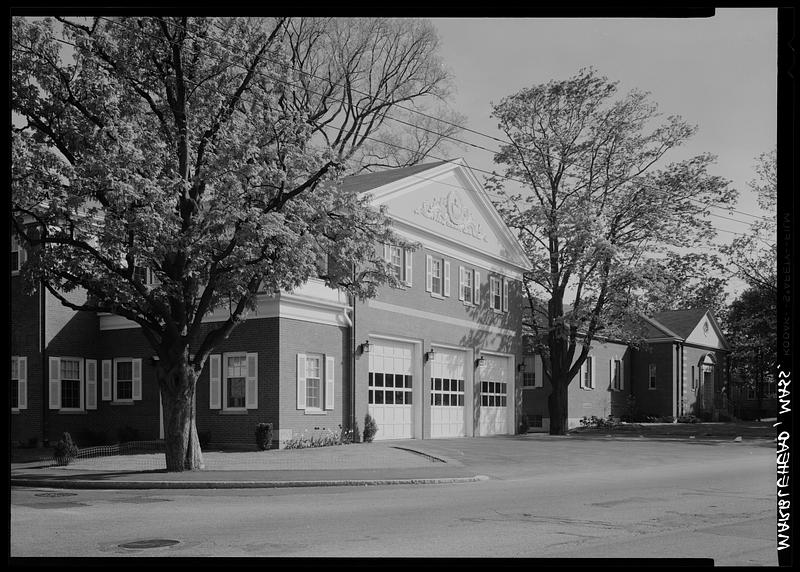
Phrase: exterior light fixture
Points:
(521, 367)
(430, 354)
(365, 347)
(480, 362)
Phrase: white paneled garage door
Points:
(495, 384)
(390, 383)
(447, 393)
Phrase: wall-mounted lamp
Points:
(365, 347)
(521, 367)
(480, 362)
(154, 360)
(430, 354)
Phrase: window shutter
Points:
(582, 376)
(591, 362)
(387, 256)
(428, 273)
(23, 254)
(329, 382)
(214, 382)
(476, 296)
(611, 374)
(301, 381)
(251, 393)
(55, 383)
(106, 390)
(505, 295)
(409, 257)
(446, 278)
(91, 384)
(621, 375)
(22, 382)
(461, 283)
(136, 366)
(538, 372)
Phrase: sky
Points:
(719, 73)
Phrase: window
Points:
(19, 391)
(694, 382)
(493, 393)
(400, 261)
(389, 388)
(315, 382)
(235, 381)
(70, 383)
(652, 376)
(498, 293)
(587, 373)
(437, 276)
(123, 380)
(616, 374)
(467, 285)
(17, 254)
(529, 373)
(447, 392)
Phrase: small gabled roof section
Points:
(696, 325)
(444, 205)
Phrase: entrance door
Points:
(390, 389)
(447, 393)
(495, 378)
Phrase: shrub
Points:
(263, 436)
(599, 422)
(370, 428)
(355, 433)
(127, 433)
(65, 450)
(687, 419)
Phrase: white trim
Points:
(452, 347)
(438, 318)
(215, 381)
(224, 380)
(390, 338)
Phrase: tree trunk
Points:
(557, 404)
(177, 383)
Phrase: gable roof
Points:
(681, 322)
(369, 181)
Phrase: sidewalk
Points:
(396, 462)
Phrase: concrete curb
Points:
(140, 485)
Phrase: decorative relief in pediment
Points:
(451, 212)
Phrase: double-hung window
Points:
(651, 376)
(532, 375)
(72, 383)
(315, 383)
(233, 382)
(401, 262)
(498, 293)
(437, 276)
(71, 378)
(616, 379)
(123, 380)
(469, 284)
(17, 254)
(19, 383)
(587, 373)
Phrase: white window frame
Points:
(651, 376)
(587, 374)
(225, 378)
(530, 372)
(437, 262)
(406, 260)
(497, 290)
(467, 285)
(694, 381)
(327, 365)
(115, 383)
(81, 381)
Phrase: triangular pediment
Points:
(448, 203)
(707, 333)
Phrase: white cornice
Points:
(439, 318)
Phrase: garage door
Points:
(495, 378)
(447, 394)
(390, 383)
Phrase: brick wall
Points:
(24, 330)
(660, 401)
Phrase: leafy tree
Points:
(595, 213)
(202, 151)
(753, 336)
(755, 255)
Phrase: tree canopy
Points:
(204, 153)
(597, 210)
